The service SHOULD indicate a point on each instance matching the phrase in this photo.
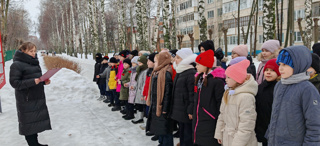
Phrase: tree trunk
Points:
(308, 28)
(301, 32)
(281, 23)
(256, 31)
(288, 33)
(173, 24)
(238, 22)
(166, 15)
(75, 52)
(104, 32)
(268, 19)
(253, 10)
(316, 31)
(225, 31)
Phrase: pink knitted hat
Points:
(271, 45)
(238, 72)
(241, 50)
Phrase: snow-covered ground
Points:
(77, 118)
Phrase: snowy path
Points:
(77, 118)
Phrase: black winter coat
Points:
(207, 110)
(183, 94)
(97, 70)
(252, 68)
(32, 110)
(264, 100)
(101, 70)
(161, 125)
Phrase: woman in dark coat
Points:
(160, 93)
(32, 110)
(183, 94)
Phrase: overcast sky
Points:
(33, 7)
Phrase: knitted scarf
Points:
(163, 66)
(140, 69)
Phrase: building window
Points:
(186, 5)
(232, 40)
(261, 39)
(316, 9)
(243, 4)
(260, 20)
(244, 21)
(219, 11)
(188, 17)
(297, 37)
(299, 14)
(210, 27)
(210, 1)
(187, 30)
(211, 14)
(260, 4)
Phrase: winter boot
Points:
(107, 100)
(126, 114)
(123, 111)
(139, 118)
(101, 97)
(149, 133)
(116, 108)
(177, 134)
(110, 105)
(155, 138)
(129, 116)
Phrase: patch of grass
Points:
(59, 62)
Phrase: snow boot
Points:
(142, 127)
(126, 114)
(116, 108)
(110, 105)
(155, 138)
(123, 111)
(177, 134)
(149, 133)
(129, 116)
(139, 118)
(107, 100)
(100, 98)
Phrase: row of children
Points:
(214, 106)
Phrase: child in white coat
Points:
(236, 122)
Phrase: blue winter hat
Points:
(284, 57)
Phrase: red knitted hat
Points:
(238, 71)
(206, 58)
(272, 64)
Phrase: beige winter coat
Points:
(237, 119)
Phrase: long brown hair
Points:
(27, 46)
(205, 82)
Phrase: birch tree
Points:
(166, 26)
(173, 26)
(308, 28)
(74, 48)
(269, 19)
(103, 22)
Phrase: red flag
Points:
(2, 72)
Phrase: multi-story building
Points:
(224, 13)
